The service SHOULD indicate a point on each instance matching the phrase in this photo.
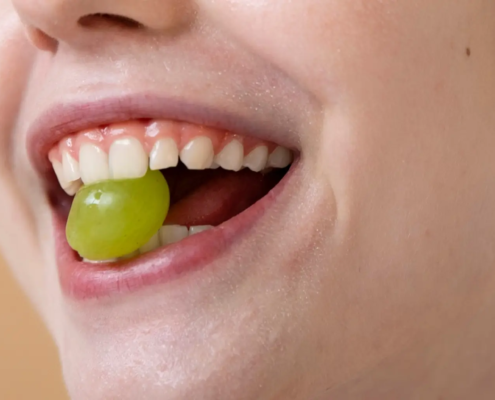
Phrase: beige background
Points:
(29, 368)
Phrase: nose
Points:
(50, 22)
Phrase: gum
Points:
(148, 133)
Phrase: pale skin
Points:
(373, 279)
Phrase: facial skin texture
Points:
(372, 278)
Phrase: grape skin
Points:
(114, 218)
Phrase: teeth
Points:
(93, 164)
(127, 159)
(168, 234)
(73, 187)
(59, 171)
(281, 157)
(198, 229)
(164, 154)
(172, 233)
(70, 167)
(70, 187)
(231, 156)
(100, 262)
(152, 244)
(256, 160)
(198, 153)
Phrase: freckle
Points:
(468, 51)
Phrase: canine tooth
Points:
(256, 160)
(281, 157)
(70, 166)
(93, 164)
(73, 187)
(231, 156)
(172, 233)
(127, 159)
(198, 229)
(152, 244)
(198, 153)
(70, 187)
(164, 154)
(59, 171)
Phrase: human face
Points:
(373, 243)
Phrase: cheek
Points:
(389, 74)
(14, 69)
(23, 208)
(315, 42)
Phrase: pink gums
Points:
(148, 133)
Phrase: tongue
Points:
(212, 197)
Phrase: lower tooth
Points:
(172, 233)
(152, 244)
(99, 262)
(198, 229)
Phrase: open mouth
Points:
(219, 182)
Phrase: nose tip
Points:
(49, 22)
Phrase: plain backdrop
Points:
(29, 368)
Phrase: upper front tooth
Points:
(127, 159)
(93, 164)
(198, 153)
(231, 156)
(70, 167)
(281, 157)
(256, 159)
(164, 154)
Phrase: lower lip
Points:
(81, 280)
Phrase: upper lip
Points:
(67, 118)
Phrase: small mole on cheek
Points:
(468, 51)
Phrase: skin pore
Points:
(372, 278)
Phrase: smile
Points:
(221, 182)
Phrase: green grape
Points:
(114, 218)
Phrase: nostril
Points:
(99, 20)
(41, 40)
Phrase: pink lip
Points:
(80, 280)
